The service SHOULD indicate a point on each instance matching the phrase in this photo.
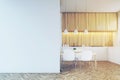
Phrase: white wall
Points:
(114, 54)
(30, 36)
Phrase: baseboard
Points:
(114, 63)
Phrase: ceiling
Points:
(90, 5)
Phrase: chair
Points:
(68, 55)
(85, 56)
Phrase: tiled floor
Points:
(104, 71)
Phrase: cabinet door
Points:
(91, 21)
(111, 21)
(82, 21)
(71, 22)
(101, 22)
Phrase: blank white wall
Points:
(114, 54)
(30, 36)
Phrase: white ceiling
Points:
(90, 5)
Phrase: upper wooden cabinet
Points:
(91, 21)
(111, 21)
(101, 23)
(91, 18)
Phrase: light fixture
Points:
(86, 30)
(76, 30)
(65, 31)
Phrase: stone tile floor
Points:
(104, 71)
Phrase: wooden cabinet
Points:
(101, 22)
(81, 20)
(92, 21)
(111, 21)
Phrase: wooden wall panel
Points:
(90, 39)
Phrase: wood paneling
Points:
(90, 39)
(91, 21)
(100, 26)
